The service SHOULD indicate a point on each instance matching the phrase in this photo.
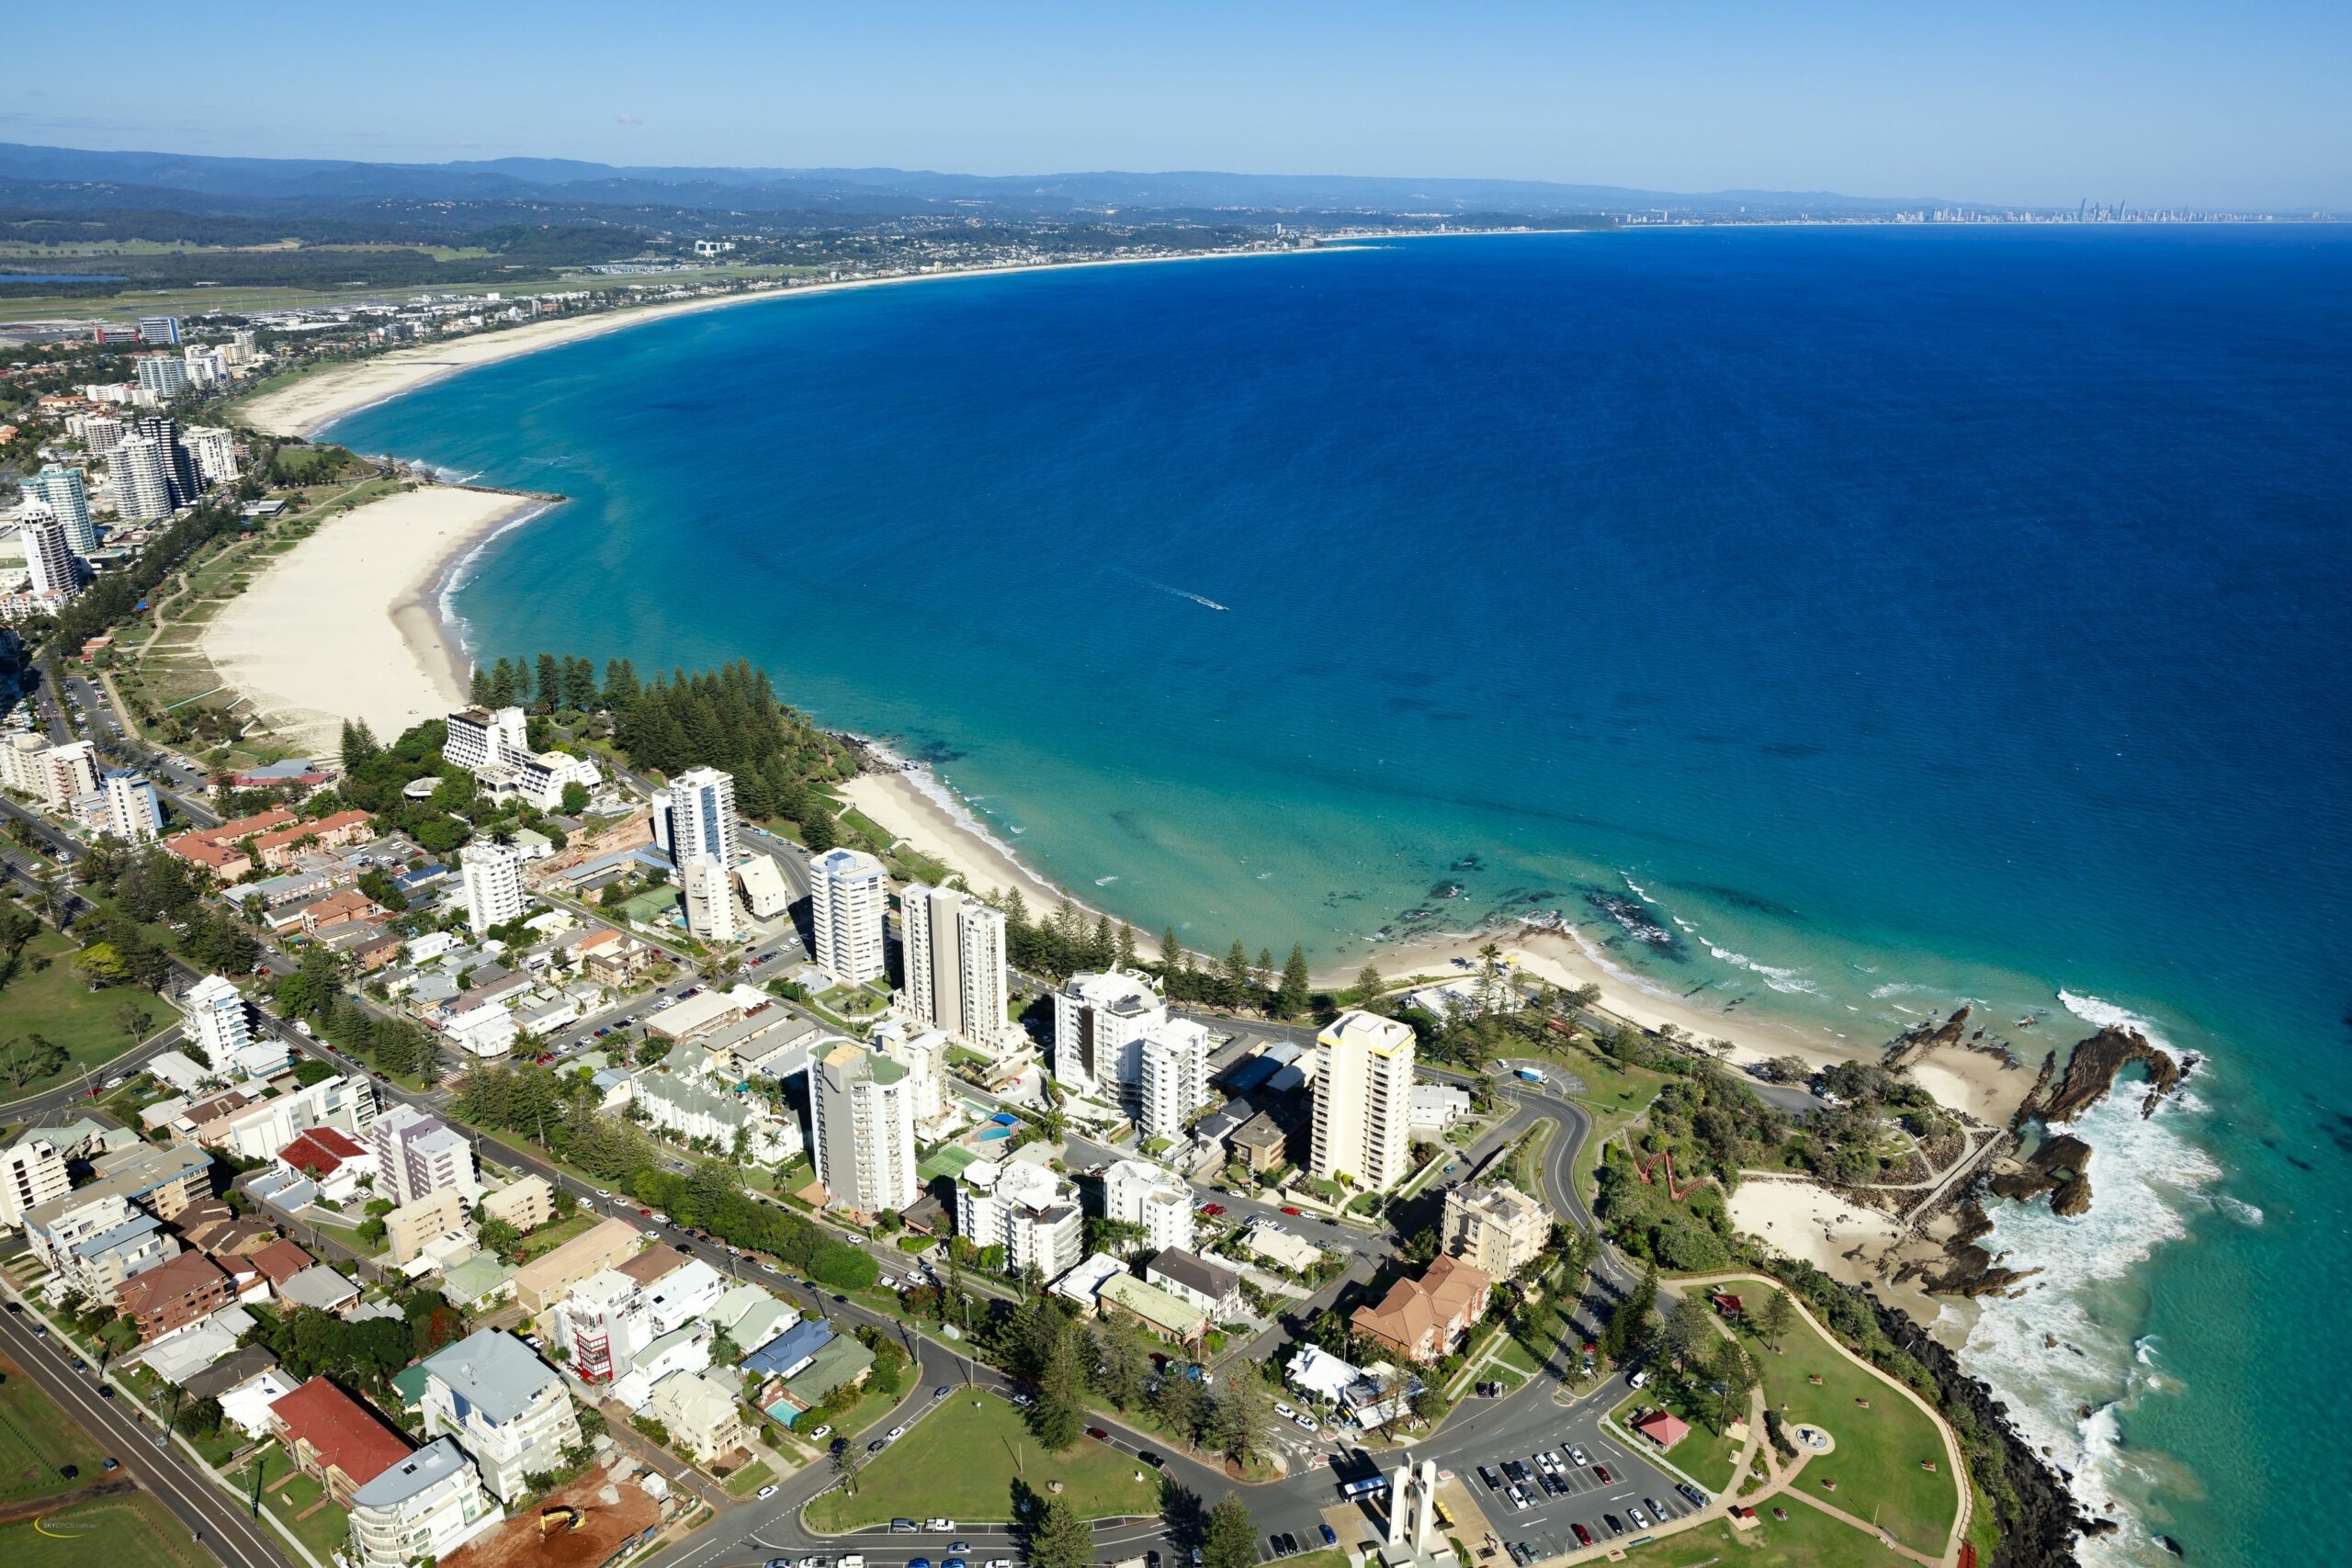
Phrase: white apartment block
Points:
(954, 950)
(487, 1029)
(481, 740)
(162, 374)
(1364, 1101)
(49, 552)
(1024, 1208)
(33, 1172)
(863, 1107)
(710, 900)
(214, 452)
(1098, 1024)
(1172, 1078)
(924, 1056)
(133, 812)
(68, 772)
(68, 498)
(847, 892)
(213, 1013)
(421, 1509)
(494, 877)
(346, 1104)
(141, 475)
(1497, 1229)
(1140, 1193)
(696, 816)
(418, 1155)
(505, 1408)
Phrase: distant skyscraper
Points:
(866, 1129)
(159, 329)
(953, 948)
(47, 554)
(179, 468)
(494, 877)
(61, 488)
(142, 480)
(699, 809)
(846, 893)
(213, 454)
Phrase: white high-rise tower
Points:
(1364, 1101)
(953, 946)
(847, 889)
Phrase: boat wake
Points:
(1203, 600)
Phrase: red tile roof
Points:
(1663, 1428)
(281, 1260)
(176, 1278)
(320, 1151)
(345, 1433)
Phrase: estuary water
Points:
(1840, 623)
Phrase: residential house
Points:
(321, 1287)
(702, 1413)
(1160, 1313)
(478, 1283)
(334, 1439)
(349, 906)
(280, 1261)
(1211, 1287)
(1084, 1282)
(332, 1161)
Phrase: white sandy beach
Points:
(343, 626)
(326, 395)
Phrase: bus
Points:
(1370, 1487)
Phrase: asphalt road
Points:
(210, 1515)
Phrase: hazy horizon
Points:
(2158, 106)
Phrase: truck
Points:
(1532, 1074)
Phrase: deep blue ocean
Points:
(1904, 616)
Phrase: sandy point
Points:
(344, 624)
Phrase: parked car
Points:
(1600, 1474)
(821, 1433)
(1584, 1536)
(1640, 1521)
(1637, 1378)
(1097, 1434)
(1293, 1213)
(1577, 1454)
(1151, 1459)
(764, 1493)
(1328, 1538)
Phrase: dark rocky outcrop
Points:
(2091, 1072)
(1919, 1041)
(1967, 1269)
(2061, 1167)
(2039, 1530)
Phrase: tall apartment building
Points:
(493, 879)
(165, 432)
(696, 816)
(953, 948)
(1098, 1024)
(47, 554)
(506, 1406)
(847, 891)
(923, 1052)
(213, 1013)
(1497, 1229)
(481, 740)
(418, 1155)
(1364, 1091)
(863, 1107)
(214, 454)
(134, 814)
(31, 1173)
(1024, 1208)
(101, 433)
(421, 1509)
(60, 488)
(166, 374)
(1140, 1193)
(710, 898)
(159, 330)
(68, 771)
(1172, 1077)
(142, 480)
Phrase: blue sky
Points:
(2210, 104)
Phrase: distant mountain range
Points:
(67, 179)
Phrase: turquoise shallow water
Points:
(1893, 616)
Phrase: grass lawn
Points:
(1704, 1456)
(1614, 1095)
(130, 1531)
(289, 1493)
(555, 1233)
(55, 1004)
(962, 1460)
(1876, 1464)
(37, 1439)
(749, 1479)
(1807, 1538)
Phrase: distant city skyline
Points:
(2166, 105)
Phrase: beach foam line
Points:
(460, 570)
(2103, 1014)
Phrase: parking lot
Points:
(1537, 1501)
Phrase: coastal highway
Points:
(209, 1514)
